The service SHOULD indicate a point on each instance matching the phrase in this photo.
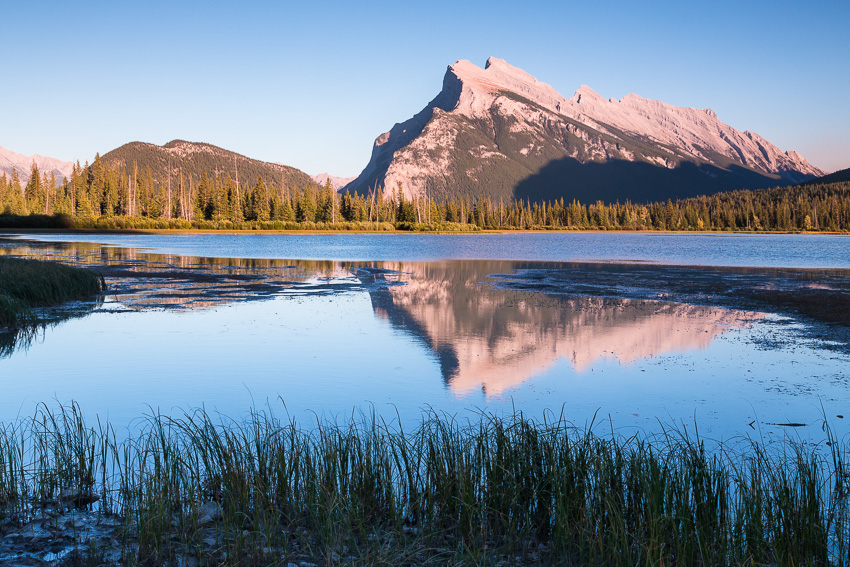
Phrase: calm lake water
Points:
(710, 249)
(607, 325)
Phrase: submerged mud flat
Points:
(641, 345)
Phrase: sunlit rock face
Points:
(493, 339)
(499, 131)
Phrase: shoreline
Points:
(211, 489)
(402, 232)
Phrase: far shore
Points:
(400, 232)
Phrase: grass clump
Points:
(26, 284)
(497, 491)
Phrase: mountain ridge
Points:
(337, 182)
(193, 158)
(834, 177)
(501, 132)
(10, 161)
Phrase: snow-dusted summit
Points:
(337, 183)
(500, 131)
(10, 161)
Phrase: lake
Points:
(733, 334)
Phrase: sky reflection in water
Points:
(328, 337)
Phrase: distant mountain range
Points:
(336, 182)
(499, 131)
(10, 161)
(193, 158)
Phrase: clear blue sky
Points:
(312, 84)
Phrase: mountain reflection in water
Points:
(494, 339)
(491, 324)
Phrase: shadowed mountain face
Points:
(589, 182)
(499, 132)
(493, 339)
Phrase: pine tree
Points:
(235, 212)
(202, 201)
(305, 210)
(33, 192)
(326, 205)
(260, 201)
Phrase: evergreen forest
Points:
(104, 196)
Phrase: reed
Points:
(27, 284)
(495, 490)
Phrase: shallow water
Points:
(635, 345)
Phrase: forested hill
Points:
(836, 177)
(191, 159)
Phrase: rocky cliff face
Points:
(500, 131)
(10, 160)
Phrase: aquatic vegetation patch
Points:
(498, 490)
(26, 284)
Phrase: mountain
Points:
(336, 182)
(9, 160)
(193, 158)
(498, 131)
(835, 177)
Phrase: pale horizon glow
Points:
(313, 86)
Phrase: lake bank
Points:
(203, 488)
(331, 231)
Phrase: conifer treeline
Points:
(105, 196)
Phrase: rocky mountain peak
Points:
(337, 183)
(480, 85)
(585, 95)
(496, 62)
(498, 129)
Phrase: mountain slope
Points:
(10, 160)
(498, 131)
(193, 158)
(835, 177)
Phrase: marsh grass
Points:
(27, 284)
(497, 490)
